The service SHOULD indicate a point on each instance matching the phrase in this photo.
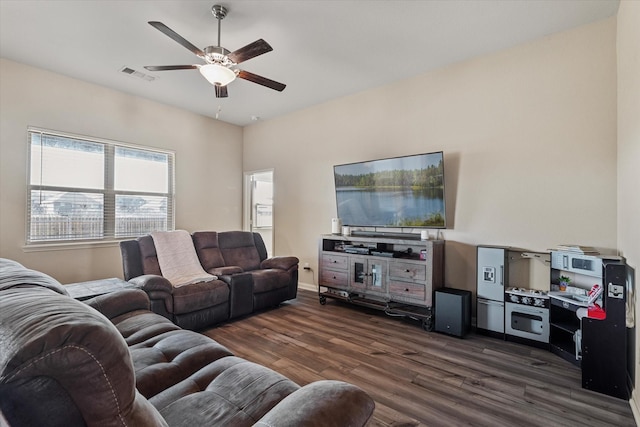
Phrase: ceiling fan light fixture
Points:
(220, 62)
(217, 74)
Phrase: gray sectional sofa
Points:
(110, 361)
(248, 280)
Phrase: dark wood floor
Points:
(418, 377)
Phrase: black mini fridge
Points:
(453, 311)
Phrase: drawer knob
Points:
(406, 290)
(407, 271)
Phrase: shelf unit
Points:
(563, 324)
(602, 344)
(397, 275)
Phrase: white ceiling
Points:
(321, 49)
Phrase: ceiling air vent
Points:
(138, 74)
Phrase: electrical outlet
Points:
(306, 266)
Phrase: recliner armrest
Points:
(121, 302)
(151, 283)
(280, 262)
(240, 293)
(159, 290)
(225, 271)
(322, 403)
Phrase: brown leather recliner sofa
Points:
(111, 362)
(248, 280)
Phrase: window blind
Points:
(83, 188)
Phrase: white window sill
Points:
(66, 246)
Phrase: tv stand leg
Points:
(427, 323)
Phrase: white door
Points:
(258, 206)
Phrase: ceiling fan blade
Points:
(221, 91)
(176, 37)
(271, 84)
(251, 50)
(170, 67)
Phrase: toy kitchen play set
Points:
(579, 314)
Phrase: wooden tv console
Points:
(397, 275)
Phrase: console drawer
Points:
(334, 278)
(408, 271)
(336, 262)
(407, 290)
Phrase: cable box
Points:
(383, 254)
(356, 250)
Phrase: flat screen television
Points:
(399, 192)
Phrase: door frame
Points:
(247, 203)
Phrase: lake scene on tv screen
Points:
(398, 192)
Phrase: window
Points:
(90, 189)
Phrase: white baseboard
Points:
(633, 402)
(307, 286)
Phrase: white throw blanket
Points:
(177, 257)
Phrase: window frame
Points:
(108, 191)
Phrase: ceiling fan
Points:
(220, 65)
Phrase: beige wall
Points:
(628, 43)
(529, 136)
(208, 190)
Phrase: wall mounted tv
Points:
(399, 192)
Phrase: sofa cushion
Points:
(168, 358)
(15, 275)
(138, 326)
(239, 248)
(149, 256)
(281, 262)
(130, 300)
(198, 296)
(206, 244)
(229, 391)
(344, 399)
(268, 280)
